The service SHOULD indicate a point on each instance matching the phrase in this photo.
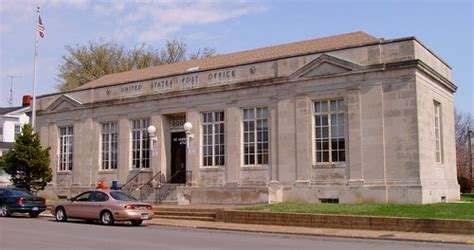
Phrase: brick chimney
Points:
(26, 100)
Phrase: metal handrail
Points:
(160, 196)
(130, 180)
(150, 180)
(147, 183)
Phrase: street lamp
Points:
(153, 139)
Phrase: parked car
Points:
(14, 200)
(105, 205)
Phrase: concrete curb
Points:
(307, 231)
(350, 234)
(339, 236)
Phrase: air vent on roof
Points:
(192, 69)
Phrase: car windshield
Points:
(16, 192)
(121, 196)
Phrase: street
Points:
(45, 233)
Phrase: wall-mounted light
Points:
(151, 132)
(187, 129)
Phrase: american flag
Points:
(40, 27)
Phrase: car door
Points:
(97, 204)
(2, 196)
(77, 208)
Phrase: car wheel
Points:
(33, 214)
(106, 218)
(60, 214)
(136, 222)
(4, 210)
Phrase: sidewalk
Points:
(327, 232)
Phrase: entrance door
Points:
(178, 157)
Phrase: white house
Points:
(11, 121)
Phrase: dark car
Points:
(13, 200)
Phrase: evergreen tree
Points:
(27, 162)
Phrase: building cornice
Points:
(416, 64)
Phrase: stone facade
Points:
(387, 91)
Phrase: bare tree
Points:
(84, 63)
(205, 52)
(461, 124)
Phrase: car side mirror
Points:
(72, 199)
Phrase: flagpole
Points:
(33, 117)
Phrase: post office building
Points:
(346, 118)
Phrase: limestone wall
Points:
(438, 178)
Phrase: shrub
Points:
(465, 184)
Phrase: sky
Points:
(446, 27)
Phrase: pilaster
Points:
(124, 147)
(303, 138)
(354, 147)
(193, 150)
(234, 145)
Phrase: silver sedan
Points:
(105, 205)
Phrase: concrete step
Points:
(198, 218)
(169, 202)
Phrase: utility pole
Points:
(469, 135)
(10, 100)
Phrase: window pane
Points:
(324, 120)
(259, 113)
(325, 156)
(325, 132)
(342, 156)
(333, 105)
(317, 120)
(334, 155)
(317, 107)
(324, 107)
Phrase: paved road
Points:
(45, 233)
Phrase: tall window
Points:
(140, 143)
(329, 131)
(213, 139)
(255, 136)
(109, 145)
(437, 130)
(17, 130)
(66, 139)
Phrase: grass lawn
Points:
(467, 197)
(439, 210)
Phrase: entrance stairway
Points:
(184, 213)
(168, 194)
